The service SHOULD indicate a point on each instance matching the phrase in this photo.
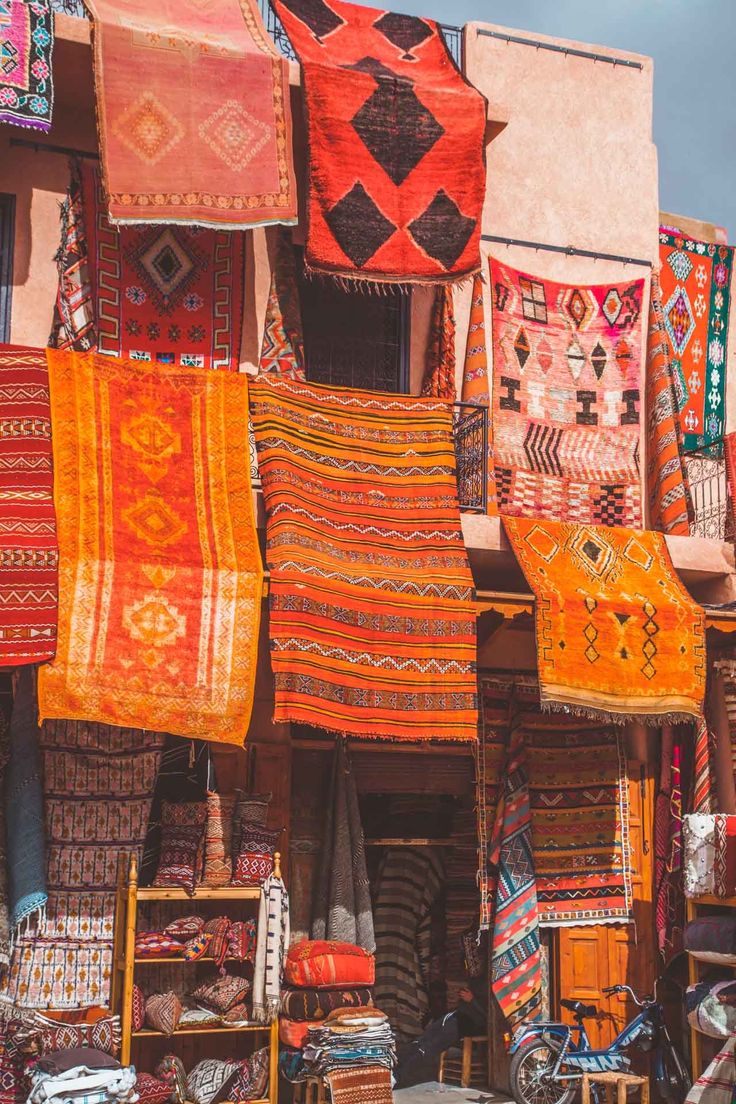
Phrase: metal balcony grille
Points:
(70, 7)
(470, 432)
(706, 473)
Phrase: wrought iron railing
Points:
(706, 474)
(70, 7)
(471, 456)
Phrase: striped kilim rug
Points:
(372, 626)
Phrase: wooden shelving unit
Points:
(694, 904)
(125, 964)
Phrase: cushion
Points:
(315, 1004)
(199, 1017)
(237, 1014)
(157, 945)
(241, 940)
(252, 808)
(46, 1037)
(363, 1016)
(709, 1008)
(712, 939)
(196, 948)
(150, 1090)
(139, 1008)
(218, 930)
(221, 993)
(61, 1061)
(163, 1012)
(249, 1081)
(171, 1070)
(218, 840)
(254, 862)
(259, 1063)
(326, 963)
(185, 927)
(182, 831)
(293, 1033)
(207, 1077)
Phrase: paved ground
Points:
(434, 1093)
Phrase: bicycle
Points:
(550, 1058)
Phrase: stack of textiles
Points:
(81, 1076)
(322, 977)
(350, 1037)
(210, 1081)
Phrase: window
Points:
(355, 338)
(7, 237)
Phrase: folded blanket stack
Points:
(321, 976)
(350, 1038)
(82, 1076)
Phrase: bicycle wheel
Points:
(531, 1076)
(674, 1082)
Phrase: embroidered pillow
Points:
(218, 839)
(196, 948)
(104, 1035)
(171, 1071)
(156, 945)
(199, 1017)
(185, 927)
(218, 930)
(328, 963)
(182, 832)
(242, 938)
(255, 855)
(150, 1090)
(221, 993)
(249, 808)
(139, 1008)
(207, 1077)
(163, 1012)
(315, 1004)
(249, 1081)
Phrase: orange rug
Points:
(160, 576)
(617, 633)
(193, 114)
(372, 623)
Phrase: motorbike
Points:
(550, 1058)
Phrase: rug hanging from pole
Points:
(566, 398)
(282, 348)
(396, 145)
(193, 114)
(371, 617)
(28, 548)
(618, 636)
(166, 293)
(475, 381)
(26, 48)
(160, 571)
(696, 300)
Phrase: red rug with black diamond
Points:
(397, 169)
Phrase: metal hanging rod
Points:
(607, 58)
(47, 147)
(570, 250)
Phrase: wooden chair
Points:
(470, 1069)
(622, 1081)
(311, 1091)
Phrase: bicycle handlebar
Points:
(611, 989)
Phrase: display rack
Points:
(125, 964)
(693, 967)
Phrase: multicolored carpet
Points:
(282, 349)
(696, 296)
(221, 157)
(475, 380)
(167, 293)
(372, 624)
(439, 373)
(160, 571)
(670, 506)
(26, 47)
(516, 967)
(566, 398)
(28, 550)
(98, 784)
(396, 153)
(618, 636)
(73, 326)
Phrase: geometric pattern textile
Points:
(361, 1084)
(617, 634)
(669, 897)
(579, 806)
(372, 624)
(567, 378)
(282, 348)
(73, 325)
(26, 46)
(172, 294)
(161, 577)
(516, 968)
(696, 297)
(98, 782)
(670, 506)
(475, 378)
(396, 153)
(28, 549)
(439, 374)
(193, 114)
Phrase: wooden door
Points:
(592, 958)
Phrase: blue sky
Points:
(693, 43)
